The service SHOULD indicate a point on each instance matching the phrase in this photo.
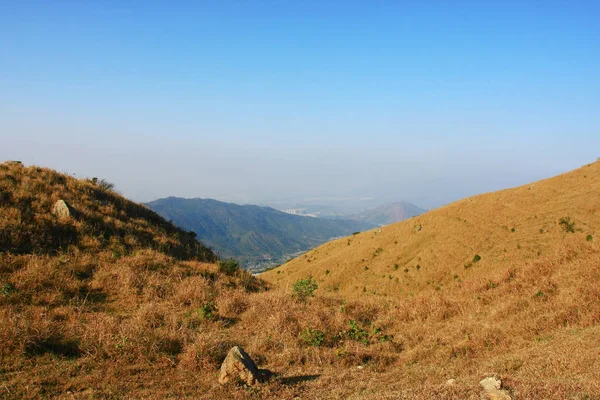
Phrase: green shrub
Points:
(356, 333)
(228, 267)
(589, 238)
(359, 334)
(208, 310)
(312, 337)
(476, 258)
(7, 289)
(304, 289)
(377, 334)
(567, 224)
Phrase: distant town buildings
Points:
(300, 211)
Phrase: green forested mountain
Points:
(257, 236)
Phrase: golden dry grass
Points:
(139, 315)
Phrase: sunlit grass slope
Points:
(506, 281)
(475, 239)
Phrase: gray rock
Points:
(239, 366)
(62, 210)
(492, 389)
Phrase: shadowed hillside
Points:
(102, 219)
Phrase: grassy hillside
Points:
(506, 281)
(117, 303)
(476, 237)
(251, 234)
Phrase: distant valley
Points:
(258, 237)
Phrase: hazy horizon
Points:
(256, 102)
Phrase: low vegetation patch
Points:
(312, 337)
(304, 289)
(228, 267)
(567, 225)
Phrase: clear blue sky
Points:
(259, 100)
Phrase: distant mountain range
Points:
(388, 214)
(258, 237)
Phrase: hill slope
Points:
(506, 281)
(114, 302)
(255, 235)
(505, 229)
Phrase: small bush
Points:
(304, 289)
(567, 224)
(359, 334)
(7, 289)
(589, 238)
(476, 258)
(312, 337)
(356, 333)
(207, 311)
(228, 267)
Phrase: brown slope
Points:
(436, 250)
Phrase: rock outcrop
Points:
(239, 366)
(62, 210)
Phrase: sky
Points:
(264, 101)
